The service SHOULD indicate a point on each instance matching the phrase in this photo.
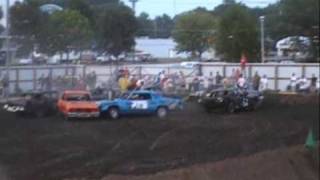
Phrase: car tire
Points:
(114, 113)
(231, 108)
(162, 112)
(66, 118)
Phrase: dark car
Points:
(36, 104)
(231, 99)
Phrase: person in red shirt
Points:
(243, 63)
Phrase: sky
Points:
(172, 7)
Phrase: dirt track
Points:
(51, 148)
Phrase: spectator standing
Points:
(94, 79)
(303, 86)
(313, 83)
(218, 78)
(238, 74)
(123, 83)
(256, 81)
(241, 81)
(210, 80)
(264, 83)
(48, 83)
(293, 82)
(132, 83)
(42, 81)
(5, 85)
(313, 80)
(226, 82)
(196, 84)
(140, 84)
(243, 63)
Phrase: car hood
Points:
(20, 102)
(82, 105)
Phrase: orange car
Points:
(77, 104)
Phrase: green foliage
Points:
(159, 27)
(163, 26)
(293, 18)
(27, 24)
(237, 34)
(83, 7)
(68, 29)
(116, 30)
(194, 32)
(145, 25)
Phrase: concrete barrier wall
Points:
(26, 77)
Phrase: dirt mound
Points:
(294, 98)
(284, 164)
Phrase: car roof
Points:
(76, 92)
(142, 91)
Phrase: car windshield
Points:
(77, 97)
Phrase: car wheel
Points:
(231, 108)
(66, 118)
(162, 112)
(114, 113)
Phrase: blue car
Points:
(140, 102)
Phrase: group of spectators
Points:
(179, 82)
(302, 84)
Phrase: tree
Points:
(116, 30)
(83, 7)
(67, 30)
(27, 23)
(193, 32)
(237, 34)
(163, 26)
(294, 18)
(145, 25)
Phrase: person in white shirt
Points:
(241, 81)
(210, 80)
(303, 85)
(263, 83)
(293, 82)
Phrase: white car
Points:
(191, 64)
(102, 59)
(25, 61)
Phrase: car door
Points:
(140, 102)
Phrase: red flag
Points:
(243, 61)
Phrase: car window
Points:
(76, 97)
(37, 96)
(140, 96)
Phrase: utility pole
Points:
(134, 5)
(134, 11)
(262, 38)
(7, 35)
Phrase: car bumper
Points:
(83, 115)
